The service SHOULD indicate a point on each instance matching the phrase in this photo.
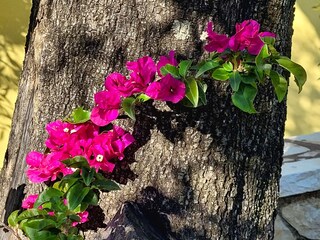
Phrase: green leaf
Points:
(228, 66)
(12, 219)
(91, 198)
(202, 87)
(244, 97)
(74, 218)
(143, 97)
(31, 213)
(87, 175)
(220, 74)
(172, 70)
(46, 196)
(263, 54)
(61, 216)
(76, 174)
(57, 205)
(82, 207)
(259, 74)
(99, 176)
(280, 85)
(76, 194)
(128, 107)
(273, 51)
(235, 80)
(40, 224)
(300, 75)
(76, 162)
(184, 67)
(269, 40)
(79, 115)
(192, 92)
(206, 67)
(65, 184)
(62, 236)
(106, 185)
(35, 234)
(249, 79)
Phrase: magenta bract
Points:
(108, 146)
(164, 60)
(43, 167)
(116, 82)
(143, 72)
(167, 89)
(29, 201)
(247, 37)
(216, 42)
(106, 109)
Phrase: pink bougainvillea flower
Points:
(35, 172)
(29, 201)
(118, 83)
(108, 146)
(217, 42)
(167, 89)
(70, 138)
(81, 138)
(164, 60)
(43, 167)
(51, 213)
(120, 139)
(245, 32)
(106, 109)
(59, 134)
(143, 72)
(248, 37)
(83, 218)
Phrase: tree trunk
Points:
(216, 167)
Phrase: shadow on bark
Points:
(147, 218)
(16, 194)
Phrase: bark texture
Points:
(217, 168)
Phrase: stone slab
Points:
(281, 230)
(293, 149)
(304, 216)
(300, 177)
(313, 138)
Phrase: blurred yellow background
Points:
(14, 20)
(303, 109)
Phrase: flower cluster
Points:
(142, 80)
(247, 37)
(77, 150)
(67, 140)
(29, 201)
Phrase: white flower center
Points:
(99, 158)
(66, 130)
(73, 131)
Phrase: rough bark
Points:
(217, 167)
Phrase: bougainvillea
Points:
(80, 149)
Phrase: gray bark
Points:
(217, 167)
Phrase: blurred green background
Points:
(303, 109)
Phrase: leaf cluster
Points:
(243, 72)
(57, 207)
